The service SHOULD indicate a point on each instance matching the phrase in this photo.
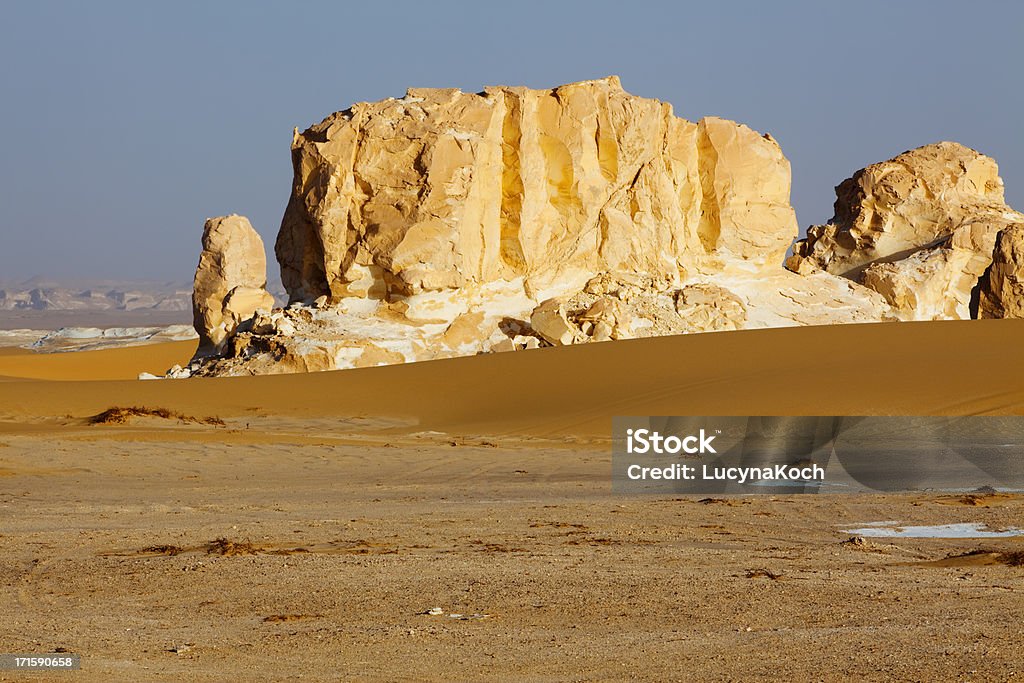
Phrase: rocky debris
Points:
(618, 306)
(606, 319)
(919, 229)
(610, 306)
(178, 372)
(516, 343)
(230, 282)
(264, 323)
(551, 322)
(710, 308)
(1001, 292)
(562, 321)
(363, 333)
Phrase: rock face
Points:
(449, 224)
(445, 190)
(230, 283)
(936, 283)
(919, 229)
(1001, 292)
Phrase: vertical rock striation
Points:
(446, 190)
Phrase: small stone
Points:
(550, 322)
(178, 372)
(502, 345)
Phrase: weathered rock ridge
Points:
(448, 224)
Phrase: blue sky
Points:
(125, 124)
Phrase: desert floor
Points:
(300, 527)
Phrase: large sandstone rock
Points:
(445, 190)
(230, 282)
(448, 224)
(1001, 292)
(919, 229)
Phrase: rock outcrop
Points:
(449, 224)
(919, 229)
(891, 209)
(230, 283)
(445, 190)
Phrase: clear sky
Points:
(125, 124)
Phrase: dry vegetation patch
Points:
(118, 415)
(223, 546)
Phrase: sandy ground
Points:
(951, 367)
(306, 536)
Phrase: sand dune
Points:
(312, 533)
(104, 364)
(949, 367)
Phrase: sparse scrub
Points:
(118, 415)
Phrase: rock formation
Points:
(919, 229)
(448, 224)
(230, 283)
(915, 200)
(445, 190)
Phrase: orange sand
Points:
(955, 367)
